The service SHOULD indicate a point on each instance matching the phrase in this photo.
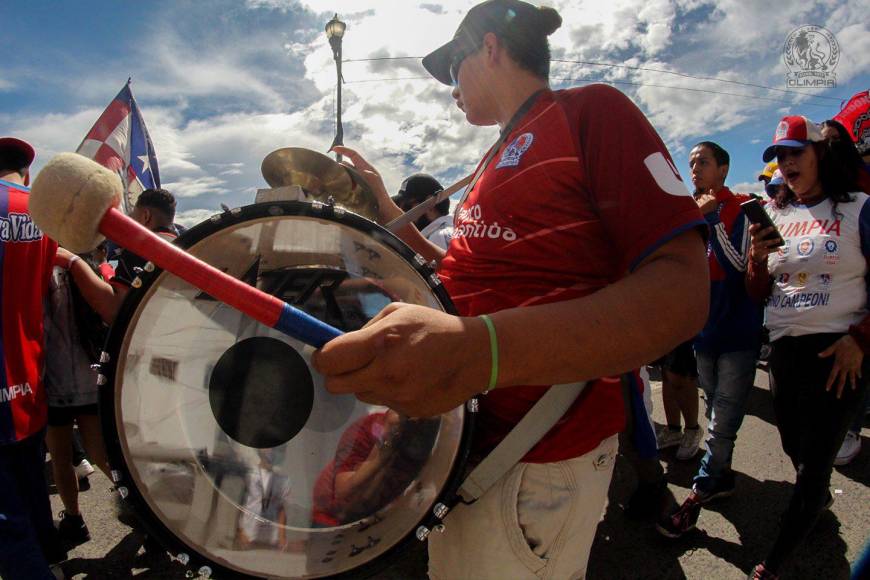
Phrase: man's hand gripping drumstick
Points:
(74, 200)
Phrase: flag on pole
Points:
(855, 116)
(119, 141)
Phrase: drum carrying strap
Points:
(531, 428)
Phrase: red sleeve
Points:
(355, 445)
(641, 198)
(757, 281)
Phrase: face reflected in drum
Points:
(239, 453)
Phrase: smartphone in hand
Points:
(757, 215)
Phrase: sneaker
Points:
(759, 572)
(723, 488)
(84, 469)
(850, 449)
(683, 520)
(667, 437)
(72, 530)
(690, 443)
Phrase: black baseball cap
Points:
(502, 17)
(419, 186)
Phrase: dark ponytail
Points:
(526, 41)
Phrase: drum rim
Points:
(120, 470)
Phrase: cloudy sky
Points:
(222, 83)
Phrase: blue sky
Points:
(223, 83)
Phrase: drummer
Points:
(578, 254)
(154, 209)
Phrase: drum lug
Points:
(439, 528)
(123, 492)
(96, 367)
(440, 510)
(422, 533)
(204, 572)
(137, 282)
(420, 260)
(473, 405)
(434, 280)
(101, 380)
(149, 266)
(116, 476)
(104, 357)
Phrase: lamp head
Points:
(335, 28)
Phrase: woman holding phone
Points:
(816, 289)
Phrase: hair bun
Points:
(549, 20)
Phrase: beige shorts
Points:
(538, 521)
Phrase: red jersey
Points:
(26, 258)
(581, 191)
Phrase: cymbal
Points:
(321, 178)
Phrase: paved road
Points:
(732, 535)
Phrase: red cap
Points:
(17, 144)
(793, 131)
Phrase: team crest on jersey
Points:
(832, 252)
(18, 227)
(514, 152)
(805, 247)
(825, 279)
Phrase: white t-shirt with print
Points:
(439, 231)
(820, 274)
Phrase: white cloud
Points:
(756, 187)
(219, 95)
(196, 186)
(192, 217)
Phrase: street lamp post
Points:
(335, 32)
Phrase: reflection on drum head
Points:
(261, 392)
(231, 448)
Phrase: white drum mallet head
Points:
(70, 196)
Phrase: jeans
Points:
(726, 380)
(812, 423)
(26, 528)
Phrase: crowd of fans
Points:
(793, 294)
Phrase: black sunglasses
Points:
(460, 56)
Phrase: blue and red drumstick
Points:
(251, 301)
(73, 201)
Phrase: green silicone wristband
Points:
(493, 348)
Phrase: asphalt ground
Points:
(732, 535)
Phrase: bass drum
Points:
(220, 432)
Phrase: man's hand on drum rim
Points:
(388, 210)
(416, 360)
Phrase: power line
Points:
(696, 77)
(757, 97)
(380, 80)
(591, 80)
(646, 69)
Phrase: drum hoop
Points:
(123, 477)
